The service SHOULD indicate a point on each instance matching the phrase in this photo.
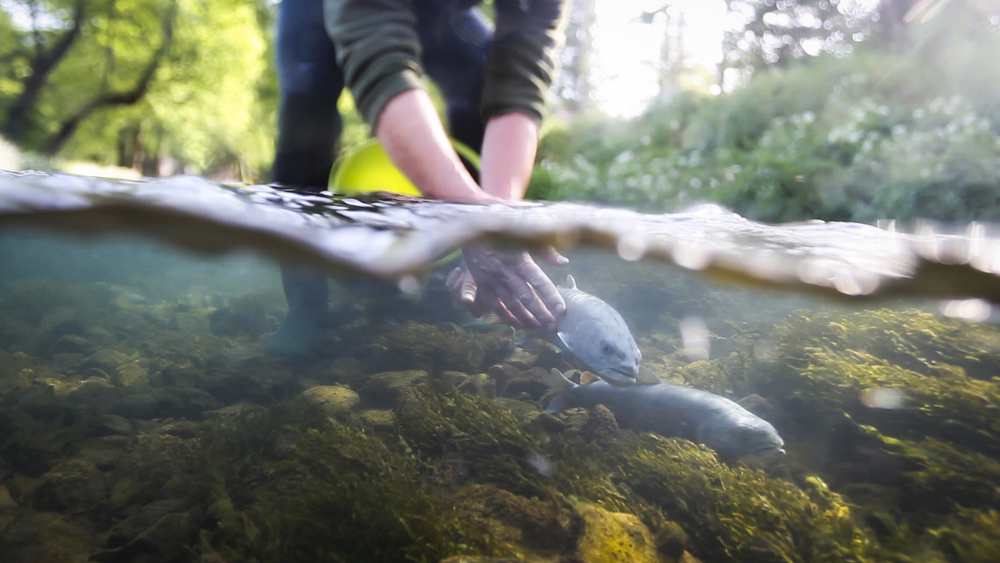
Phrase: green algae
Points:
(335, 494)
(972, 536)
(729, 513)
(826, 361)
(493, 443)
(946, 475)
(436, 348)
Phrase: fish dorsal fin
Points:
(647, 376)
(587, 378)
(570, 282)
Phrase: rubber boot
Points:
(301, 334)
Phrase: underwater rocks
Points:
(7, 508)
(71, 344)
(141, 520)
(331, 399)
(528, 527)
(107, 360)
(614, 537)
(74, 486)
(100, 337)
(35, 537)
(384, 389)
(166, 541)
(378, 419)
(445, 347)
(114, 424)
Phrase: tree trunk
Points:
(108, 99)
(20, 114)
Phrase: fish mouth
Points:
(769, 450)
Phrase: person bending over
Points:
(493, 81)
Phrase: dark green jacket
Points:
(379, 52)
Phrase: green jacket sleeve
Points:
(520, 68)
(377, 49)
(379, 52)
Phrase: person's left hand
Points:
(510, 284)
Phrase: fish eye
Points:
(606, 349)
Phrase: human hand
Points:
(509, 283)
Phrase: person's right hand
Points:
(510, 284)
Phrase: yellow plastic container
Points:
(367, 168)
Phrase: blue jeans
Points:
(455, 44)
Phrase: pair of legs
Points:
(455, 46)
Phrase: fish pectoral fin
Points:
(647, 376)
(558, 382)
(570, 281)
(564, 340)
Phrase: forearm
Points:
(509, 148)
(411, 132)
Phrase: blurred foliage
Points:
(888, 132)
(208, 102)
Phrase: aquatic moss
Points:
(912, 339)
(947, 475)
(493, 444)
(971, 536)
(292, 484)
(436, 348)
(345, 496)
(826, 361)
(730, 513)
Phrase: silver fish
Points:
(675, 411)
(594, 332)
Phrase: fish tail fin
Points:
(558, 382)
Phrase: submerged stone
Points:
(100, 337)
(601, 424)
(36, 537)
(71, 344)
(106, 360)
(234, 410)
(184, 429)
(379, 419)
(141, 405)
(614, 537)
(114, 424)
(166, 541)
(385, 388)
(130, 374)
(95, 392)
(74, 486)
(7, 507)
(529, 384)
(515, 524)
(332, 399)
(139, 521)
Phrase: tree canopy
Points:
(129, 81)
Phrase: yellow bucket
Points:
(367, 168)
